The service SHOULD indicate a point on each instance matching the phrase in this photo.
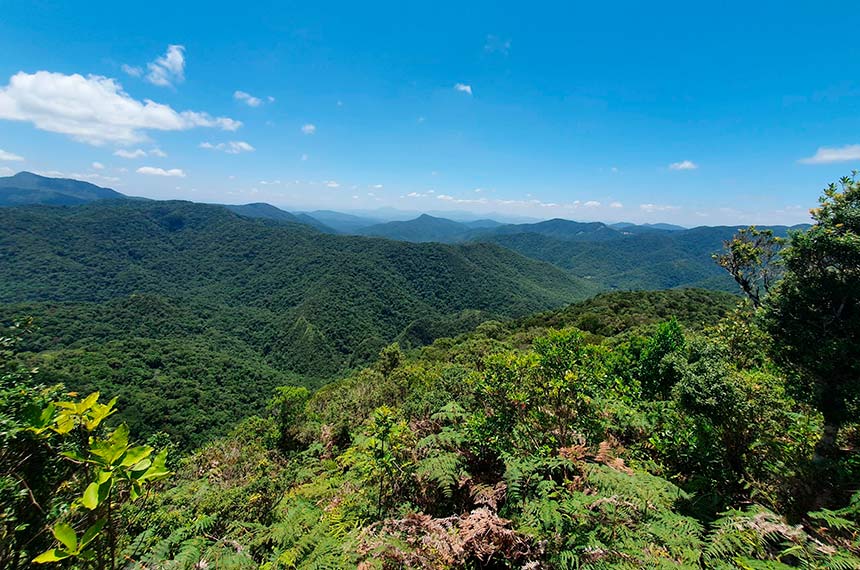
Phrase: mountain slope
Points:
(650, 260)
(335, 293)
(556, 228)
(268, 212)
(424, 228)
(28, 188)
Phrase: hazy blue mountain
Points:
(424, 228)
(556, 228)
(483, 223)
(26, 188)
(268, 212)
(639, 228)
(344, 223)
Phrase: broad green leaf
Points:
(74, 456)
(140, 468)
(90, 498)
(157, 470)
(98, 413)
(136, 455)
(65, 423)
(87, 403)
(92, 532)
(52, 555)
(66, 535)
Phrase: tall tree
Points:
(813, 313)
(752, 258)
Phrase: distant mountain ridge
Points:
(27, 188)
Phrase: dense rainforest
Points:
(670, 429)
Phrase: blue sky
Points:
(726, 112)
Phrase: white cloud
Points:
(152, 171)
(6, 171)
(377, 186)
(332, 184)
(309, 129)
(132, 70)
(230, 147)
(462, 87)
(93, 109)
(591, 204)
(157, 152)
(826, 155)
(5, 155)
(683, 165)
(616, 205)
(136, 153)
(248, 99)
(98, 166)
(169, 68)
(650, 208)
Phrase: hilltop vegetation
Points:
(680, 429)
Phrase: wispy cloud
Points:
(650, 208)
(5, 155)
(169, 68)
(826, 155)
(616, 205)
(463, 88)
(136, 153)
(93, 109)
(132, 70)
(98, 166)
(309, 129)
(230, 147)
(495, 44)
(249, 99)
(153, 171)
(591, 204)
(683, 165)
(332, 184)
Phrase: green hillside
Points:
(648, 260)
(115, 286)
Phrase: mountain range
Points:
(607, 256)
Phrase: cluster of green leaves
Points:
(63, 471)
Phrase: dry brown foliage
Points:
(423, 542)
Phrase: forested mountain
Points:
(269, 212)
(344, 223)
(620, 256)
(422, 229)
(648, 260)
(29, 188)
(141, 282)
